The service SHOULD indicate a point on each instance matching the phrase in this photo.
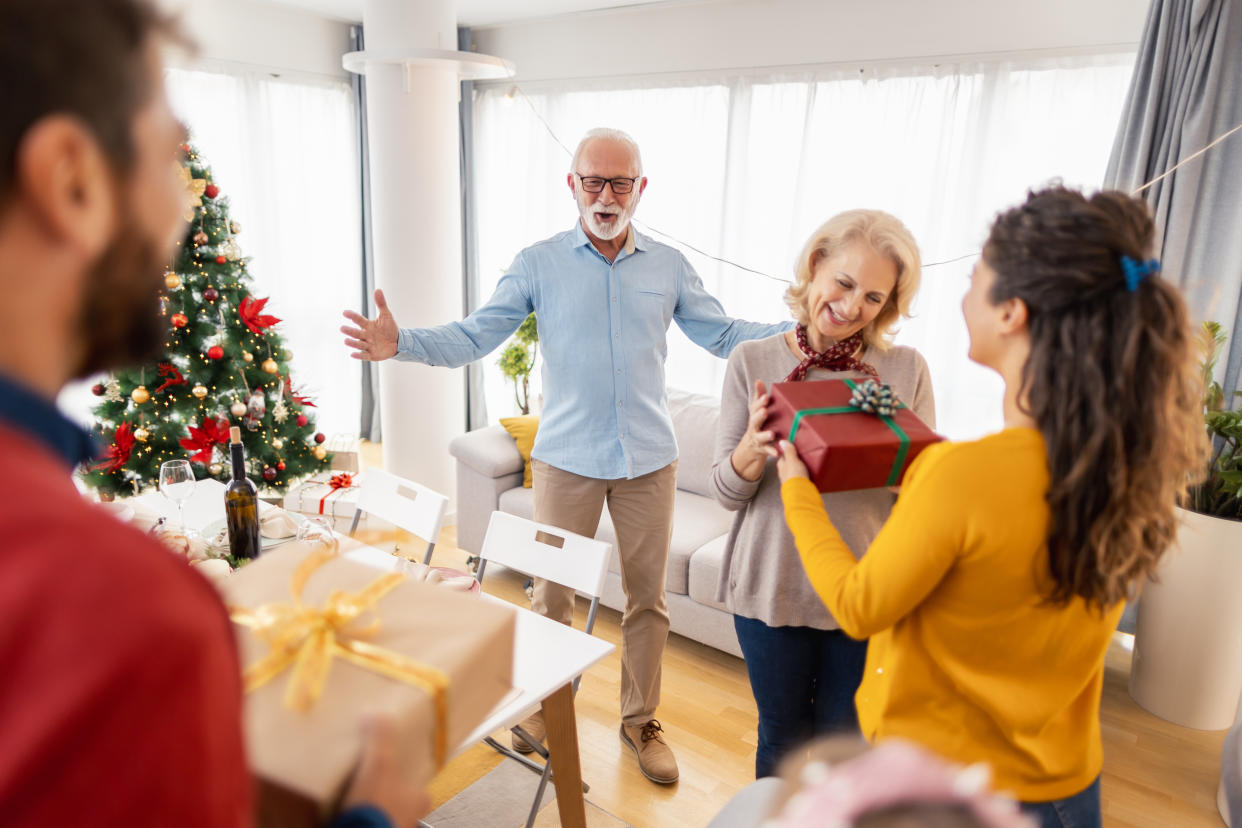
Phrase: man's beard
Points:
(120, 318)
(618, 227)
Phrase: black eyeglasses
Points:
(595, 184)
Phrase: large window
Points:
(746, 167)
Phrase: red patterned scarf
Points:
(838, 357)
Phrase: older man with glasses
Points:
(604, 296)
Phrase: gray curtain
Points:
(476, 404)
(369, 425)
(1186, 90)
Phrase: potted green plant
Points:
(1188, 636)
(517, 360)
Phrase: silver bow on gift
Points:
(875, 398)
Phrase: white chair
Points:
(403, 503)
(570, 560)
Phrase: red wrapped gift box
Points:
(843, 447)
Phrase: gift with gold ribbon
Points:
(850, 434)
(325, 641)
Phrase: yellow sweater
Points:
(965, 658)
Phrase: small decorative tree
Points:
(517, 360)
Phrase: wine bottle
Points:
(241, 504)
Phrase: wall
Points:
(257, 35)
(743, 34)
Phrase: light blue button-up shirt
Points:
(602, 333)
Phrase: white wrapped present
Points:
(344, 451)
(330, 495)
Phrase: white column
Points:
(412, 119)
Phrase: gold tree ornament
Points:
(278, 443)
(194, 188)
(320, 452)
(199, 391)
(247, 356)
(171, 280)
(140, 395)
(234, 227)
(215, 469)
(270, 366)
(141, 434)
(238, 409)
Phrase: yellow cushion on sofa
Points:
(522, 430)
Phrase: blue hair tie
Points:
(1136, 271)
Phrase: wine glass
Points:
(177, 484)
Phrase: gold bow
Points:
(308, 638)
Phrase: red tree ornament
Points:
(280, 466)
(98, 389)
(211, 295)
(211, 191)
(302, 420)
(171, 376)
(220, 260)
(251, 312)
(179, 320)
(269, 474)
(319, 438)
(215, 352)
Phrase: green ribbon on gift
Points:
(903, 439)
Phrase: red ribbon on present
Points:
(339, 483)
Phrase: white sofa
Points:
(489, 478)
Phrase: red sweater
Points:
(120, 698)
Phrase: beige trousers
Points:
(642, 513)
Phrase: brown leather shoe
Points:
(532, 724)
(655, 757)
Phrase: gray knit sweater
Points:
(762, 576)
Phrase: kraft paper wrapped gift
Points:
(332, 495)
(305, 744)
(845, 447)
(344, 451)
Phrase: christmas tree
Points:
(223, 365)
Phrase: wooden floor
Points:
(1155, 773)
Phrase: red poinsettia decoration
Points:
(118, 453)
(251, 312)
(297, 398)
(172, 376)
(205, 438)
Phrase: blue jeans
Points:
(1082, 810)
(804, 681)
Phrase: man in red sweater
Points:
(120, 695)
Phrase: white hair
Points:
(611, 135)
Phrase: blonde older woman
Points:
(856, 276)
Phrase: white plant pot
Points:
(1188, 638)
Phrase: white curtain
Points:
(747, 167)
(285, 154)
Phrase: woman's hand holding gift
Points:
(756, 446)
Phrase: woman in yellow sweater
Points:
(992, 592)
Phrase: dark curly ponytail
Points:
(1110, 380)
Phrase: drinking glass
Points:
(177, 484)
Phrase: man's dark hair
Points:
(83, 58)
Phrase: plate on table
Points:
(216, 533)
